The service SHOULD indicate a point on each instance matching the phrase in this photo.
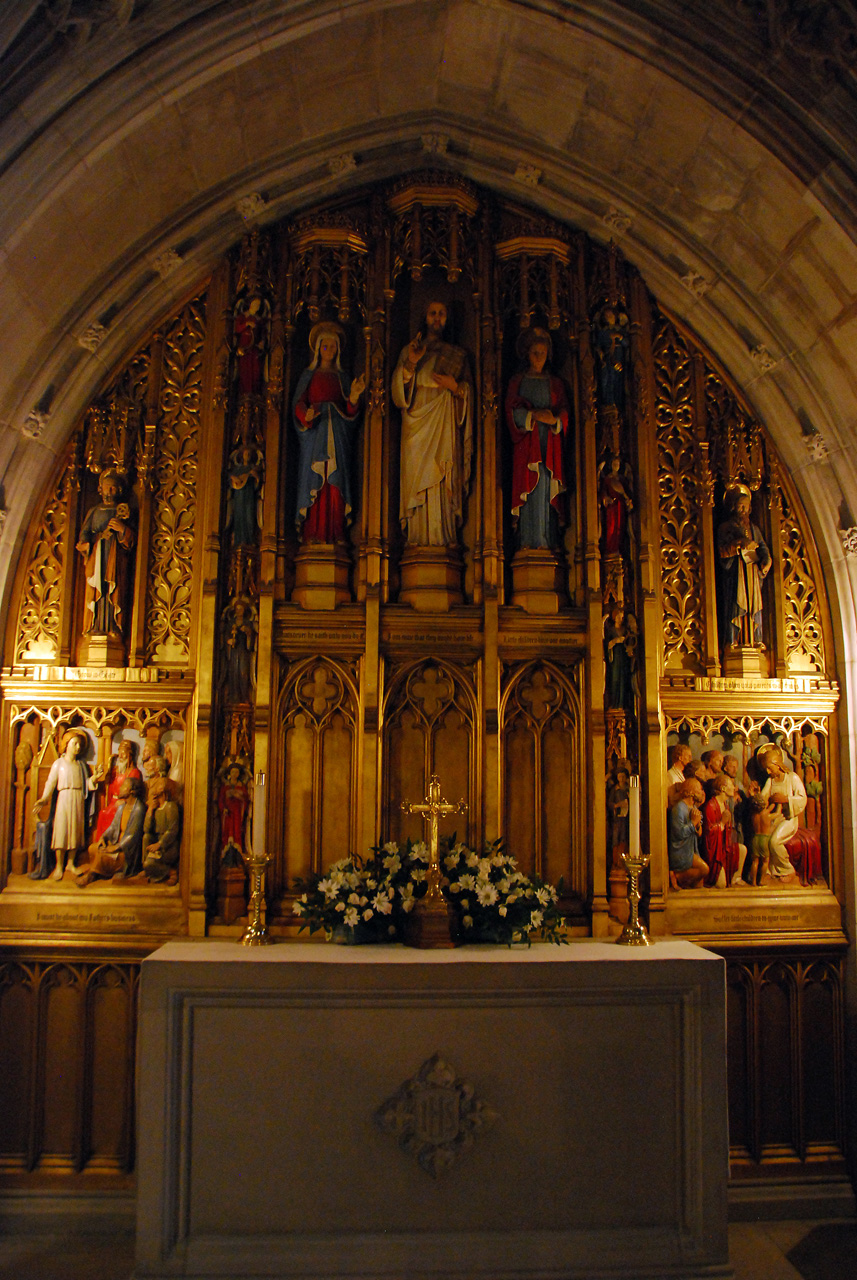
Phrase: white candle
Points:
(259, 815)
(634, 816)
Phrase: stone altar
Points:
(261, 1074)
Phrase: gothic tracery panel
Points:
(681, 564)
(318, 762)
(42, 602)
(429, 727)
(804, 634)
(169, 597)
(543, 779)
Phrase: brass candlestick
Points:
(634, 934)
(256, 934)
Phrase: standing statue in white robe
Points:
(431, 386)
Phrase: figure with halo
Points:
(743, 561)
(325, 409)
(105, 541)
(431, 386)
(537, 419)
(69, 789)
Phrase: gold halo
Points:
(739, 489)
(80, 734)
(527, 337)
(325, 326)
(770, 749)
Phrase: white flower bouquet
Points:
(491, 899)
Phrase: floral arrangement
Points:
(370, 900)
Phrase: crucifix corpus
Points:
(429, 923)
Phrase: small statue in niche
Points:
(618, 803)
(612, 345)
(69, 788)
(106, 539)
(246, 471)
(537, 419)
(119, 852)
(326, 411)
(233, 802)
(240, 621)
(620, 656)
(250, 328)
(614, 495)
(161, 833)
(743, 561)
(431, 386)
(687, 869)
(124, 766)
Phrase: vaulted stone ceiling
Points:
(714, 143)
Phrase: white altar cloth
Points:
(261, 1073)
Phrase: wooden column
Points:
(146, 458)
(69, 556)
(376, 515)
(199, 747)
(492, 542)
(275, 413)
(593, 677)
(778, 638)
(705, 490)
(652, 749)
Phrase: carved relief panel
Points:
(98, 797)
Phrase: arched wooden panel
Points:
(315, 801)
(300, 744)
(17, 1024)
(404, 774)
(543, 780)
(107, 1144)
(430, 717)
(337, 783)
(519, 783)
(60, 1082)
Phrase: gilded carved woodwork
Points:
(328, 271)
(169, 601)
(529, 716)
(434, 226)
(361, 264)
(681, 553)
(43, 600)
(804, 634)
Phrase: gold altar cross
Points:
(429, 922)
(432, 809)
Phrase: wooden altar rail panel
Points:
(786, 1063)
(67, 1044)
